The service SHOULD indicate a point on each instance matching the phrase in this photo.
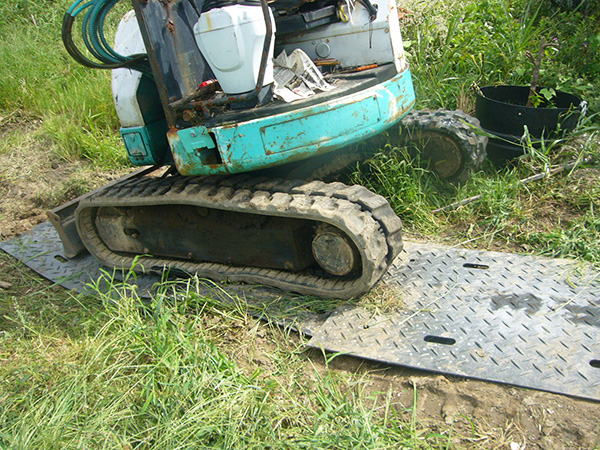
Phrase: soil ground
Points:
(478, 414)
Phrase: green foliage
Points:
(544, 98)
(412, 189)
(454, 46)
(577, 239)
(157, 374)
(506, 213)
(39, 79)
(484, 42)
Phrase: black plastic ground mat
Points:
(526, 321)
(41, 250)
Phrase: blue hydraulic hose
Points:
(81, 8)
(75, 5)
(95, 15)
(94, 38)
(100, 31)
(86, 37)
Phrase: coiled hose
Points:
(92, 32)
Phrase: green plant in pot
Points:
(509, 113)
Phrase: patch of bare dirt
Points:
(475, 414)
(33, 181)
(482, 414)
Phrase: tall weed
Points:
(412, 189)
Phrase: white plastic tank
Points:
(232, 39)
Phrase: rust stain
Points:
(401, 112)
(171, 26)
(219, 167)
(173, 135)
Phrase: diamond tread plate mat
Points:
(526, 321)
(521, 320)
(41, 250)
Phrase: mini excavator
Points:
(244, 190)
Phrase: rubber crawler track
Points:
(457, 125)
(365, 216)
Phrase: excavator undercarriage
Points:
(325, 239)
(251, 140)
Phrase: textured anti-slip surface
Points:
(522, 320)
(526, 321)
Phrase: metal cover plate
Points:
(521, 320)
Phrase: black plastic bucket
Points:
(501, 111)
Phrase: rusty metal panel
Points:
(177, 64)
(296, 134)
(321, 125)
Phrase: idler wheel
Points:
(334, 251)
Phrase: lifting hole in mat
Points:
(439, 340)
(475, 266)
(595, 363)
(131, 232)
(60, 258)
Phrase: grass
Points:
(71, 104)
(407, 184)
(454, 46)
(185, 370)
(127, 373)
(557, 216)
